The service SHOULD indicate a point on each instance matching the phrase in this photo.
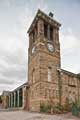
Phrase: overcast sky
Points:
(15, 18)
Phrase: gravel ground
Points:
(23, 115)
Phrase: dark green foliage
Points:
(58, 108)
(48, 108)
(45, 108)
(0, 99)
(67, 106)
(75, 109)
(42, 108)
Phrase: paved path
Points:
(23, 115)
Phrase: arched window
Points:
(33, 76)
(45, 30)
(49, 74)
(51, 33)
(33, 36)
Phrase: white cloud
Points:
(69, 40)
(15, 18)
(70, 47)
(13, 46)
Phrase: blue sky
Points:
(15, 18)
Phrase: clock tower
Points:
(43, 61)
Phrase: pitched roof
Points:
(23, 85)
(69, 73)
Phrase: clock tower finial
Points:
(44, 59)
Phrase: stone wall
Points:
(70, 87)
(4, 101)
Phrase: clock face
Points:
(50, 47)
(33, 50)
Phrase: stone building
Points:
(16, 99)
(47, 82)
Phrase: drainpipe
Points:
(59, 85)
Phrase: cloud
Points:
(70, 45)
(69, 40)
(15, 19)
(13, 45)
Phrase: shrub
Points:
(45, 108)
(67, 106)
(60, 107)
(48, 108)
(75, 109)
(0, 99)
(42, 108)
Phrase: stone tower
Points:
(43, 61)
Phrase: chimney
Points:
(51, 14)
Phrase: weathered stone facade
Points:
(63, 84)
(41, 90)
(70, 86)
(5, 99)
(47, 82)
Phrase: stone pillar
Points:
(14, 99)
(18, 98)
(24, 96)
(40, 27)
(48, 32)
(9, 101)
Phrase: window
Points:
(74, 81)
(45, 30)
(48, 31)
(33, 36)
(49, 74)
(51, 33)
(33, 76)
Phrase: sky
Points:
(15, 19)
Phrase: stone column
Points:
(9, 101)
(24, 95)
(48, 32)
(40, 26)
(14, 99)
(18, 98)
